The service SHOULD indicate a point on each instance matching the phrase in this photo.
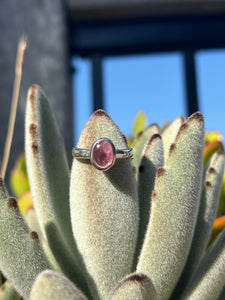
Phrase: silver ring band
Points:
(102, 154)
(86, 153)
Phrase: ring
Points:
(102, 154)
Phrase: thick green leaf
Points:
(49, 179)
(7, 292)
(134, 287)
(139, 123)
(206, 216)
(47, 164)
(170, 133)
(140, 142)
(21, 257)
(32, 221)
(18, 177)
(18, 182)
(210, 148)
(175, 203)
(152, 159)
(50, 285)
(209, 280)
(104, 209)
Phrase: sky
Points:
(153, 83)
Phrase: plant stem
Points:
(18, 75)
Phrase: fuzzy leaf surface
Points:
(175, 203)
(48, 173)
(104, 209)
(46, 163)
(209, 280)
(21, 256)
(170, 133)
(140, 142)
(134, 287)
(206, 216)
(52, 285)
(32, 221)
(152, 159)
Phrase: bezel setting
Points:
(110, 154)
(93, 159)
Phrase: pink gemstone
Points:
(102, 154)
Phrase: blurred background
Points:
(155, 84)
(165, 57)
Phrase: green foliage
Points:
(134, 287)
(152, 159)
(174, 209)
(21, 256)
(140, 142)
(140, 123)
(18, 177)
(7, 292)
(52, 285)
(208, 280)
(139, 231)
(105, 203)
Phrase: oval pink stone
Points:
(102, 155)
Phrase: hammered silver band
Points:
(102, 154)
(86, 153)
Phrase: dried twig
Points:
(18, 75)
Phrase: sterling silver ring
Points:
(102, 154)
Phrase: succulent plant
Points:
(137, 231)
